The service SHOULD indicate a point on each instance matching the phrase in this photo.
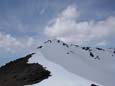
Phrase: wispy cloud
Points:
(11, 44)
(42, 11)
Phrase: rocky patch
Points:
(20, 73)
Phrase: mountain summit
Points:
(69, 65)
(95, 64)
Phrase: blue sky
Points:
(28, 13)
(27, 23)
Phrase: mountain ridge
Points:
(96, 64)
(70, 64)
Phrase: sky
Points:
(25, 24)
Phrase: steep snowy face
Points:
(59, 75)
(95, 64)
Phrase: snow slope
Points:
(71, 62)
(60, 76)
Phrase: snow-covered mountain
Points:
(73, 65)
(95, 64)
(59, 75)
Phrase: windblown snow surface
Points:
(73, 65)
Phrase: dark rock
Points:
(77, 45)
(93, 85)
(39, 47)
(48, 41)
(64, 44)
(86, 48)
(100, 49)
(114, 51)
(91, 54)
(58, 41)
(67, 52)
(20, 73)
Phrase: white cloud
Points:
(67, 28)
(12, 44)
